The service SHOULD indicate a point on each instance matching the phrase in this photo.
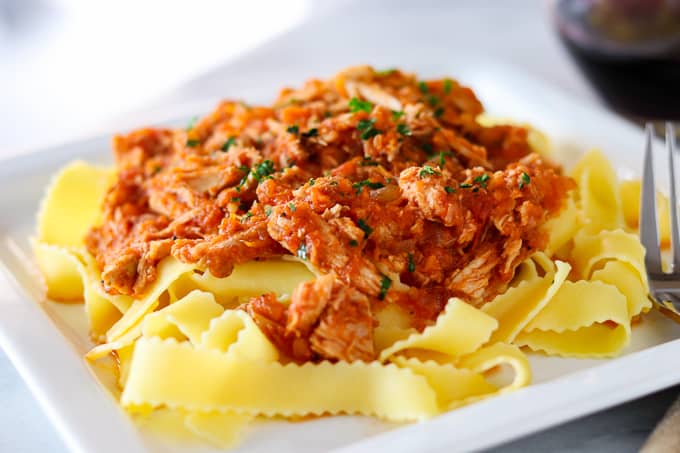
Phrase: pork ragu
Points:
(386, 184)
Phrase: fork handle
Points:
(668, 311)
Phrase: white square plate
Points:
(46, 341)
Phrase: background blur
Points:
(66, 66)
(72, 67)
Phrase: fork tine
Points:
(675, 234)
(649, 234)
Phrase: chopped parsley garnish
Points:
(312, 181)
(432, 100)
(465, 186)
(442, 157)
(359, 186)
(156, 169)
(294, 129)
(263, 169)
(363, 125)
(367, 130)
(235, 199)
(246, 216)
(447, 86)
(449, 189)
(427, 147)
(396, 114)
(365, 227)
(438, 112)
(403, 129)
(411, 263)
(244, 168)
(422, 86)
(482, 180)
(313, 132)
(302, 251)
(267, 211)
(292, 207)
(228, 144)
(524, 180)
(193, 142)
(428, 171)
(368, 162)
(357, 105)
(385, 72)
(385, 284)
(192, 122)
(353, 243)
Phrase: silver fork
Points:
(664, 287)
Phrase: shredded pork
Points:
(386, 184)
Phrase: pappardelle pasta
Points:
(372, 238)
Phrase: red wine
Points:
(629, 50)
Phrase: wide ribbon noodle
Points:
(189, 358)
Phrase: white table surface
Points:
(379, 32)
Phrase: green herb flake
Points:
(448, 84)
(358, 186)
(403, 129)
(524, 180)
(367, 130)
(353, 243)
(411, 263)
(482, 180)
(368, 162)
(438, 112)
(228, 144)
(192, 122)
(235, 199)
(396, 114)
(422, 86)
(263, 169)
(465, 186)
(449, 189)
(357, 105)
(267, 211)
(294, 129)
(292, 207)
(428, 171)
(385, 284)
(313, 132)
(427, 147)
(312, 181)
(364, 125)
(193, 142)
(365, 227)
(385, 72)
(246, 217)
(442, 157)
(432, 100)
(302, 251)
